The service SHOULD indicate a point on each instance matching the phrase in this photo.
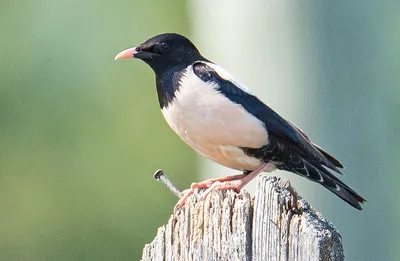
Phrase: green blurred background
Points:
(81, 135)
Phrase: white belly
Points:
(213, 125)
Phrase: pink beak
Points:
(128, 53)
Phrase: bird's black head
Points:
(164, 51)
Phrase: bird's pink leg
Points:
(236, 183)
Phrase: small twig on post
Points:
(160, 176)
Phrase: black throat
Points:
(167, 83)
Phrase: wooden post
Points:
(277, 225)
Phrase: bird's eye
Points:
(163, 47)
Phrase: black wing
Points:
(288, 146)
(274, 123)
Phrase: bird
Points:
(221, 119)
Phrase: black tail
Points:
(332, 159)
(328, 156)
(321, 175)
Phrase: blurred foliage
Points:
(81, 134)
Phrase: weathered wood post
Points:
(276, 226)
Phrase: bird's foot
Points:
(236, 182)
(188, 192)
(206, 184)
(235, 185)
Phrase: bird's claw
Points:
(183, 197)
(188, 192)
(216, 186)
